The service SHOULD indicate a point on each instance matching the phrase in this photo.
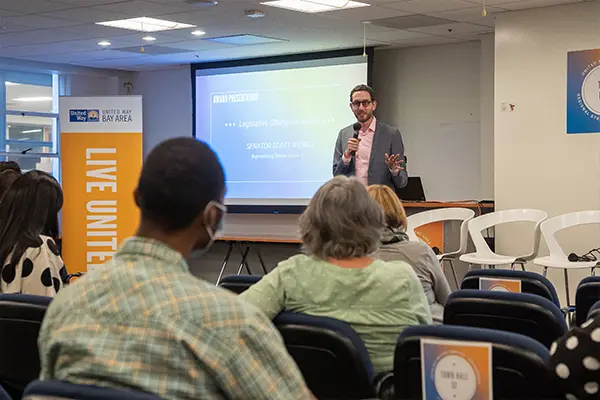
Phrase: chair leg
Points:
(454, 273)
(593, 271)
(225, 261)
(523, 266)
(567, 288)
(512, 266)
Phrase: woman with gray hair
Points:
(338, 276)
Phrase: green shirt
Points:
(143, 322)
(378, 301)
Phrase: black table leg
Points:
(225, 260)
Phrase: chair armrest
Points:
(383, 384)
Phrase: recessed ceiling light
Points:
(198, 33)
(33, 99)
(315, 6)
(32, 131)
(7, 83)
(104, 43)
(145, 24)
(149, 38)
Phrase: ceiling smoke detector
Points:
(202, 3)
(254, 14)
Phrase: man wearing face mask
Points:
(143, 322)
(370, 150)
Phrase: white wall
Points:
(432, 94)
(537, 165)
(167, 102)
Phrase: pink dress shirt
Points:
(364, 152)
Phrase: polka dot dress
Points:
(38, 272)
(576, 361)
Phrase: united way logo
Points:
(84, 115)
(583, 91)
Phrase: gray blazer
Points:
(386, 140)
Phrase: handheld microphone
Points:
(356, 128)
(27, 150)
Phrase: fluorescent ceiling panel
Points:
(315, 6)
(145, 24)
(244, 40)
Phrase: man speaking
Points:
(369, 149)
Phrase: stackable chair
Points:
(331, 356)
(527, 314)
(441, 215)
(531, 282)
(21, 317)
(483, 255)
(557, 258)
(519, 364)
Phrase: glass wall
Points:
(29, 120)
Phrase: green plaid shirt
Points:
(143, 322)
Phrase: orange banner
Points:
(99, 174)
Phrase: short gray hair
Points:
(341, 221)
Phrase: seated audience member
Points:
(28, 234)
(9, 172)
(575, 362)
(339, 278)
(396, 246)
(143, 322)
(7, 177)
(10, 165)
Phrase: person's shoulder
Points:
(50, 244)
(385, 127)
(394, 268)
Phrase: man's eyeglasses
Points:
(365, 103)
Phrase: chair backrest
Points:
(588, 293)
(441, 214)
(59, 390)
(519, 363)
(526, 314)
(560, 222)
(21, 317)
(330, 355)
(478, 224)
(238, 283)
(531, 282)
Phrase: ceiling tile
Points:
(428, 41)
(466, 14)
(32, 6)
(85, 3)
(140, 8)
(452, 29)
(521, 5)
(6, 13)
(86, 14)
(200, 45)
(395, 35)
(365, 13)
(34, 37)
(39, 22)
(489, 2)
(40, 50)
(428, 6)
(96, 31)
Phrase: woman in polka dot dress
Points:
(576, 361)
(28, 232)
